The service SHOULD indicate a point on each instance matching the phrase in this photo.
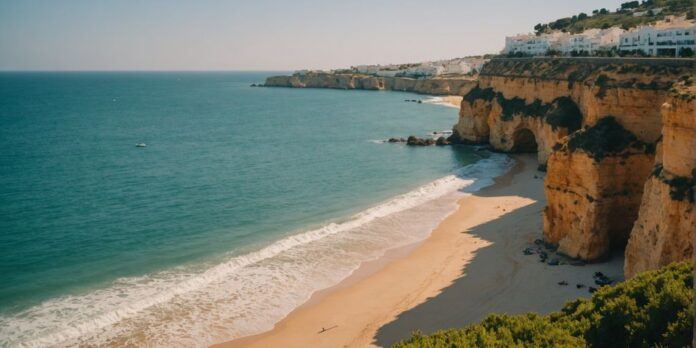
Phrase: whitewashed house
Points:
(425, 69)
(591, 41)
(527, 44)
(366, 69)
(654, 12)
(534, 45)
(455, 67)
(664, 40)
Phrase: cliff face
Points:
(595, 122)
(527, 89)
(433, 86)
(594, 187)
(666, 225)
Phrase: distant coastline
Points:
(454, 85)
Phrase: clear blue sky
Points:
(260, 34)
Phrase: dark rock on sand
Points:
(553, 262)
(563, 283)
(579, 286)
(601, 279)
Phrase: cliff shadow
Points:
(501, 278)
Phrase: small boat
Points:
(141, 145)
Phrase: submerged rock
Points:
(416, 141)
(442, 141)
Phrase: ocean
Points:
(243, 202)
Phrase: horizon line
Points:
(140, 70)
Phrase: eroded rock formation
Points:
(596, 122)
(594, 187)
(618, 137)
(666, 226)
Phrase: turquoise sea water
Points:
(244, 202)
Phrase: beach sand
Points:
(454, 100)
(470, 266)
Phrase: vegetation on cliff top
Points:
(680, 187)
(623, 17)
(606, 137)
(616, 73)
(478, 93)
(565, 113)
(654, 309)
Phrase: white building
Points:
(424, 69)
(527, 44)
(457, 66)
(366, 69)
(654, 12)
(667, 39)
(591, 41)
(461, 66)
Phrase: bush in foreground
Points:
(653, 309)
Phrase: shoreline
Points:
(367, 309)
(453, 100)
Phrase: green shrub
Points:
(564, 113)
(655, 309)
(624, 17)
(478, 93)
(606, 137)
(528, 330)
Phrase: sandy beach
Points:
(453, 100)
(470, 266)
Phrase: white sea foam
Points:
(245, 294)
(439, 101)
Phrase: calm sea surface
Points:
(244, 202)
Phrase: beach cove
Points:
(146, 238)
(470, 266)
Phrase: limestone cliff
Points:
(432, 86)
(595, 123)
(666, 225)
(525, 91)
(594, 187)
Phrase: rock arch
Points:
(524, 141)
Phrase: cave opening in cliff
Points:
(523, 141)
